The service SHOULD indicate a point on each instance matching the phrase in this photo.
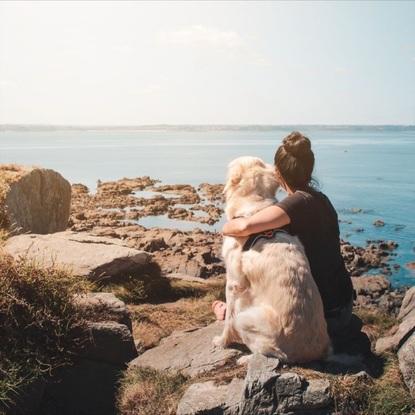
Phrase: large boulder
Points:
(408, 305)
(86, 255)
(404, 330)
(406, 356)
(33, 200)
(190, 351)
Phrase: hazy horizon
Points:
(207, 63)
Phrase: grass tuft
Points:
(145, 391)
(40, 327)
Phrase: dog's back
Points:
(281, 313)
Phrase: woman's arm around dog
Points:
(271, 217)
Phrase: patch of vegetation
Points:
(380, 321)
(145, 391)
(386, 395)
(40, 327)
(152, 322)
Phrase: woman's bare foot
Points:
(219, 308)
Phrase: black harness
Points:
(268, 235)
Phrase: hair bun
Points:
(297, 145)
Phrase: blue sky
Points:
(202, 63)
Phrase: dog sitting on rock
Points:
(273, 304)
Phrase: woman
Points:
(307, 213)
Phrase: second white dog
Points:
(273, 304)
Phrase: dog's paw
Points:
(218, 341)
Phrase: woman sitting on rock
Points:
(307, 213)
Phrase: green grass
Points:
(40, 327)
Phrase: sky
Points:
(135, 63)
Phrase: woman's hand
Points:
(236, 227)
(271, 217)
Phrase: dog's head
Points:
(250, 175)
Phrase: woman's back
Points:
(314, 220)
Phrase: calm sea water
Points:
(368, 168)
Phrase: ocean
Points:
(367, 172)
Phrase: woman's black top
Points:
(314, 220)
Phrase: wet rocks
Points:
(378, 223)
(86, 255)
(33, 200)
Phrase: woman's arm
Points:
(269, 218)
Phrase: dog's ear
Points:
(234, 177)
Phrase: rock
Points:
(209, 398)
(406, 356)
(89, 387)
(86, 255)
(410, 265)
(268, 391)
(111, 342)
(35, 200)
(185, 277)
(373, 285)
(406, 327)
(106, 304)
(190, 352)
(317, 395)
(408, 305)
(379, 223)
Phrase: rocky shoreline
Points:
(105, 243)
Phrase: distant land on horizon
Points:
(201, 127)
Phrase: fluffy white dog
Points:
(273, 304)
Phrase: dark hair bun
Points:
(297, 145)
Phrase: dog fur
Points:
(273, 304)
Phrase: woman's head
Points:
(294, 161)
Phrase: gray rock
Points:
(259, 386)
(406, 356)
(289, 389)
(37, 200)
(317, 394)
(106, 304)
(408, 305)
(86, 255)
(190, 352)
(208, 398)
(111, 342)
(406, 327)
(270, 392)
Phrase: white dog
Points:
(273, 304)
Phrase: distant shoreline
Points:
(200, 127)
